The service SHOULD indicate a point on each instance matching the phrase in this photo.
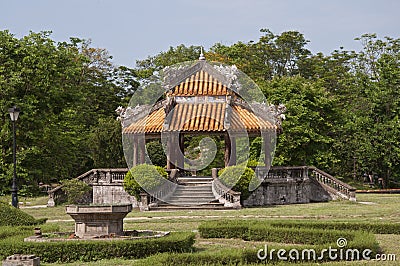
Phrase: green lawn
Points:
(369, 207)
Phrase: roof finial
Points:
(202, 57)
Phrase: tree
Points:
(272, 55)
(65, 91)
(371, 134)
(308, 131)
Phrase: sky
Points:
(132, 30)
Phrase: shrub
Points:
(76, 190)
(238, 178)
(69, 251)
(13, 216)
(144, 177)
(316, 239)
(221, 257)
(295, 235)
(373, 227)
(224, 229)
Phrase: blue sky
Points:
(133, 30)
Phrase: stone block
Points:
(21, 260)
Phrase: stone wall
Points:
(287, 191)
(319, 193)
(112, 193)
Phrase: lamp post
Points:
(14, 113)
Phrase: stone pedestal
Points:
(21, 260)
(96, 221)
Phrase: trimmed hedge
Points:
(254, 231)
(248, 256)
(69, 251)
(311, 238)
(10, 231)
(295, 235)
(223, 257)
(144, 176)
(238, 178)
(374, 227)
(13, 216)
(223, 228)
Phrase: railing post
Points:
(214, 172)
(352, 195)
(51, 202)
(144, 202)
(305, 173)
(108, 176)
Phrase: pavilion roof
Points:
(201, 117)
(200, 100)
(199, 84)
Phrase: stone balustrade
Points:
(224, 194)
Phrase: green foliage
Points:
(76, 190)
(342, 108)
(105, 144)
(221, 257)
(66, 91)
(317, 239)
(144, 177)
(193, 151)
(309, 125)
(237, 178)
(156, 153)
(372, 227)
(13, 216)
(69, 251)
(253, 229)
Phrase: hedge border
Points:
(315, 238)
(86, 250)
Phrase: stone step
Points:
(198, 195)
(191, 207)
(194, 183)
(184, 197)
(198, 180)
(194, 188)
(191, 203)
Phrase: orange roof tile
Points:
(197, 117)
(152, 123)
(200, 117)
(199, 84)
(243, 117)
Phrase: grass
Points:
(369, 207)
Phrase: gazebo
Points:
(201, 99)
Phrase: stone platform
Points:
(98, 220)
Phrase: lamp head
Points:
(14, 113)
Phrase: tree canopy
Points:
(342, 108)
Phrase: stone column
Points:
(170, 152)
(232, 159)
(135, 151)
(181, 155)
(266, 137)
(142, 149)
(227, 154)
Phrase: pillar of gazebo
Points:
(139, 150)
(181, 151)
(230, 150)
(266, 140)
(169, 152)
(175, 151)
(135, 151)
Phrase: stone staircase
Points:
(193, 192)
